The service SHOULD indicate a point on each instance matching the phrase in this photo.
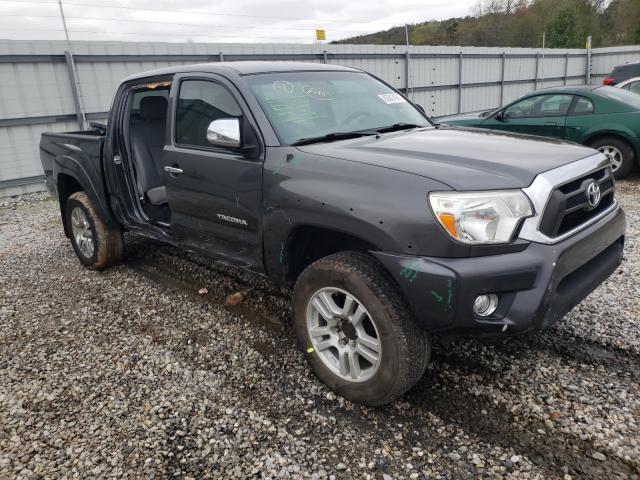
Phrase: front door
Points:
(214, 193)
(542, 115)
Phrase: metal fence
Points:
(43, 88)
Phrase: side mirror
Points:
(224, 132)
(499, 116)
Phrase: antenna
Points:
(73, 74)
(64, 21)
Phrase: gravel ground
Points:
(133, 373)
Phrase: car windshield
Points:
(308, 105)
(620, 95)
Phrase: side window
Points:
(583, 106)
(634, 87)
(539, 106)
(199, 103)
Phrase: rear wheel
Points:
(356, 330)
(619, 153)
(96, 245)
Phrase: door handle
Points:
(551, 124)
(173, 170)
(574, 128)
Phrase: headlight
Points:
(481, 217)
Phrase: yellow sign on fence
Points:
(320, 34)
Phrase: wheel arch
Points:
(71, 177)
(307, 243)
(593, 137)
(66, 185)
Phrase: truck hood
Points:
(463, 158)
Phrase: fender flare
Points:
(72, 167)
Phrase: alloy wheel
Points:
(82, 233)
(343, 334)
(614, 155)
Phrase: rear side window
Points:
(199, 103)
(633, 87)
(583, 106)
(620, 95)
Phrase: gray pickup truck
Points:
(390, 229)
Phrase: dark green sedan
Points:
(605, 118)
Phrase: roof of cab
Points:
(242, 68)
(568, 88)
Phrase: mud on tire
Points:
(405, 347)
(107, 242)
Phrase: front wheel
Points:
(96, 245)
(356, 331)
(619, 153)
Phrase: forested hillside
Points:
(521, 23)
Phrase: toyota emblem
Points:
(593, 194)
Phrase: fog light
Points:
(485, 305)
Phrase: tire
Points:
(624, 154)
(107, 243)
(404, 348)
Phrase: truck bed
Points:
(71, 151)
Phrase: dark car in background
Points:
(604, 118)
(621, 73)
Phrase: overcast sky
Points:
(259, 21)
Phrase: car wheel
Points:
(619, 153)
(96, 245)
(356, 330)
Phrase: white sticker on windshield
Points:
(390, 98)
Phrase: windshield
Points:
(620, 95)
(303, 105)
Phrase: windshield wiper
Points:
(398, 126)
(334, 136)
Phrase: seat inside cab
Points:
(147, 128)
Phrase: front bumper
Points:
(536, 286)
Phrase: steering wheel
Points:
(351, 118)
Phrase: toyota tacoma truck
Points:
(388, 228)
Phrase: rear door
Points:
(542, 115)
(214, 193)
(118, 161)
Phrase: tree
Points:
(563, 30)
(452, 32)
(520, 23)
(620, 23)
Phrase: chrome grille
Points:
(568, 206)
(562, 183)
